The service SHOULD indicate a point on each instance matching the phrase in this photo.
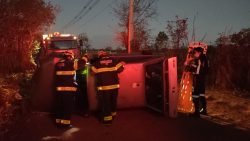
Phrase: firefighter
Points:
(199, 68)
(81, 80)
(65, 90)
(106, 70)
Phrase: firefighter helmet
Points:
(102, 53)
(198, 49)
(68, 56)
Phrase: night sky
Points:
(212, 17)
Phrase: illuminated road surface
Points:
(130, 125)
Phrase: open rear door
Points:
(161, 90)
(154, 84)
(170, 86)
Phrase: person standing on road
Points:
(65, 90)
(106, 71)
(199, 67)
(82, 103)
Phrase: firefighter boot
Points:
(107, 120)
(196, 114)
(203, 110)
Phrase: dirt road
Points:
(130, 125)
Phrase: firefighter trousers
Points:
(200, 103)
(107, 101)
(198, 95)
(64, 107)
(82, 103)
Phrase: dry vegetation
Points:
(14, 97)
(24, 22)
(230, 106)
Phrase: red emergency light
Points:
(56, 34)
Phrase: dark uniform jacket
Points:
(106, 70)
(65, 76)
(199, 69)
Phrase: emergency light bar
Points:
(65, 35)
(57, 34)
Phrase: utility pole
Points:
(130, 24)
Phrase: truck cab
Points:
(58, 43)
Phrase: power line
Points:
(204, 36)
(98, 14)
(193, 34)
(88, 10)
(77, 15)
(144, 10)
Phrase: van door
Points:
(154, 88)
(161, 90)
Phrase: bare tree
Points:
(84, 40)
(144, 10)
(161, 40)
(231, 66)
(108, 48)
(178, 31)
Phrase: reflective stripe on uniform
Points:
(109, 87)
(95, 70)
(107, 118)
(106, 69)
(202, 95)
(194, 65)
(85, 71)
(119, 65)
(75, 64)
(195, 96)
(65, 72)
(66, 88)
(199, 67)
(201, 109)
(65, 121)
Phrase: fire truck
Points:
(57, 43)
